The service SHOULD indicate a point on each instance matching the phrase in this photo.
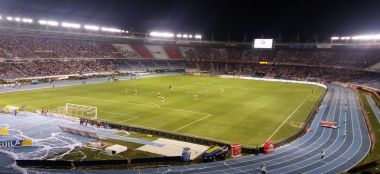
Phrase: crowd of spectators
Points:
(53, 67)
(43, 56)
(300, 72)
(23, 47)
(354, 58)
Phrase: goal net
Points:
(79, 111)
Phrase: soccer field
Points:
(229, 110)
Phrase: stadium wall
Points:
(74, 164)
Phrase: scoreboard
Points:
(263, 43)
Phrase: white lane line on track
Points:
(341, 155)
(356, 98)
(192, 123)
(353, 141)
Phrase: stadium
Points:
(80, 97)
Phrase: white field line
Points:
(123, 101)
(295, 110)
(154, 105)
(184, 110)
(117, 113)
(6, 126)
(193, 122)
(128, 120)
(208, 138)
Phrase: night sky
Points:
(266, 18)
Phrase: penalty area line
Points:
(193, 122)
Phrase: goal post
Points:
(80, 110)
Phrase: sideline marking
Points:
(193, 122)
(295, 110)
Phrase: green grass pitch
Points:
(247, 112)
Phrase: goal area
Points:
(77, 110)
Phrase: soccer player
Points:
(135, 91)
(159, 94)
(195, 97)
(162, 99)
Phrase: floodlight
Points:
(376, 37)
(70, 25)
(9, 18)
(112, 30)
(42, 22)
(345, 38)
(363, 37)
(91, 27)
(52, 23)
(179, 35)
(27, 20)
(334, 38)
(17, 19)
(198, 36)
(184, 35)
(161, 34)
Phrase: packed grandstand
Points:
(30, 53)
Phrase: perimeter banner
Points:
(15, 143)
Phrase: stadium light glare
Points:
(161, 34)
(198, 36)
(376, 37)
(334, 38)
(365, 37)
(50, 23)
(112, 30)
(179, 36)
(345, 38)
(9, 18)
(70, 25)
(190, 36)
(92, 27)
(184, 35)
(27, 20)
(17, 19)
(1, 18)
(42, 22)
